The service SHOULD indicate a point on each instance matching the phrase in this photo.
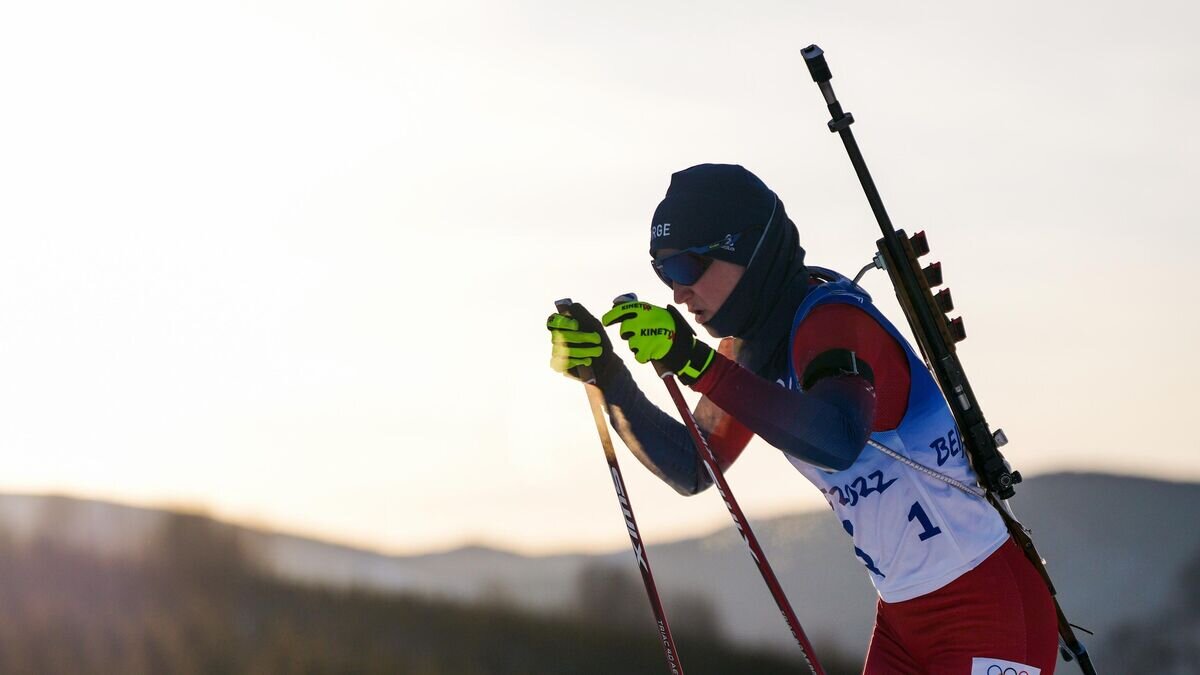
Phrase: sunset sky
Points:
(290, 261)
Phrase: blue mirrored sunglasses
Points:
(687, 266)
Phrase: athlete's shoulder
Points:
(841, 325)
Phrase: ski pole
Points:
(709, 459)
(596, 401)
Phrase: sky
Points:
(290, 262)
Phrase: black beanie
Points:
(709, 201)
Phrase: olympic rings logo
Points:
(997, 670)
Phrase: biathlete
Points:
(812, 367)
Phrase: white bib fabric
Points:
(913, 533)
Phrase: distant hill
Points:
(197, 603)
(1115, 546)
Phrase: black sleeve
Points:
(657, 439)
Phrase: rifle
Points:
(937, 336)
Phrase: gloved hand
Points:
(661, 334)
(578, 339)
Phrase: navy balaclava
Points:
(706, 202)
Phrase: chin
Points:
(711, 331)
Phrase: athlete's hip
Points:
(999, 610)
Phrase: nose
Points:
(681, 293)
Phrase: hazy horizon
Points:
(615, 545)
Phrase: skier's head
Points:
(724, 244)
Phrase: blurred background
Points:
(273, 277)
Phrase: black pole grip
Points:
(814, 58)
(585, 373)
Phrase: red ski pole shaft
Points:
(709, 459)
(596, 401)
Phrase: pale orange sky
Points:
(291, 261)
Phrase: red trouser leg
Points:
(887, 656)
(999, 610)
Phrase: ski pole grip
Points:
(563, 306)
(632, 297)
(814, 58)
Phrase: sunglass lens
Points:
(661, 274)
(683, 268)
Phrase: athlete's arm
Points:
(663, 444)
(827, 425)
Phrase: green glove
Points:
(578, 339)
(661, 334)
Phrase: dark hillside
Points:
(198, 604)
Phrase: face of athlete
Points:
(710, 291)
